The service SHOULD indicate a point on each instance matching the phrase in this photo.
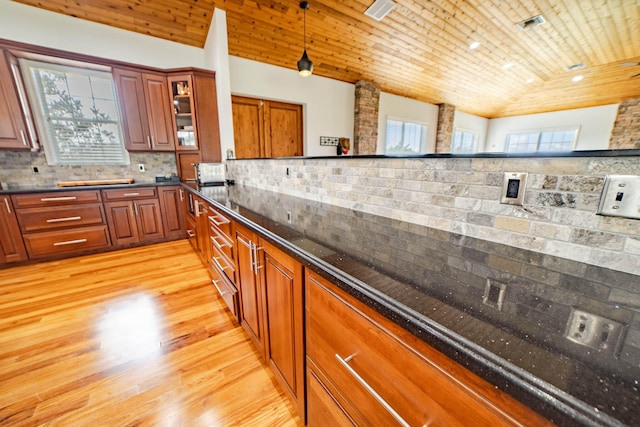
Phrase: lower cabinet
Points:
(134, 216)
(11, 246)
(171, 200)
(362, 369)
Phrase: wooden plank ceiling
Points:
(421, 49)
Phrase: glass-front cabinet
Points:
(184, 121)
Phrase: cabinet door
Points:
(171, 205)
(248, 127)
(283, 133)
(159, 113)
(149, 218)
(133, 110)
(284, 308)
(122, 222)
(249, 286)
(184, 117)
(11, 245)
(13, 127)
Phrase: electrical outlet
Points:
(35, 169)
(289, 217)
(620, 196)
(141, 167)
(513, 186)
(595, 332)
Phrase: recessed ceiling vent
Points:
(379, 9)
(531, 22)
(576, 66)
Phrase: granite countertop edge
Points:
(550, 401)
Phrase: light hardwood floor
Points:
(137, 337)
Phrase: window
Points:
(405, 137)
(76, 114)
(464, 141)
(542, 140)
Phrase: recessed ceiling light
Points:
(379, 9)
(577, 78)
(474, 45)
(531, 22)
(630, 64)
(507, 65)
(531, 80)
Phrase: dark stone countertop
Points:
(501, 311)
(46, 188)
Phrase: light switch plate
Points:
(513, 186)
(620, 196)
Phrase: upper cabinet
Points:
(16, 131)
(145, 110)
(195, 118)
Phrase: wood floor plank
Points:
(132, 337)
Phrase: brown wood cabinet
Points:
(374, 372)
(171, 205)
(145, 110)
(11, 245)
(15, 133)
(250, 285)
(61, 223)
(195, 119)
(222, 264)
(265, 129)
(133, 215)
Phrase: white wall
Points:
(596, 124)
(43, 28)
(216, 52)
(411, 110)
(327, 104)
(470, 122)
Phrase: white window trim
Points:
(476, 142)
(539, 131)
(423, 143)
(39, 114)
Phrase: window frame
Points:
(538, 138)
(45, 130)
(423, 140)
(476, 140)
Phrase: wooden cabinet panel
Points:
(122, 223)
(186, 166)
(129, 193)
(53, 217)
(248, 127)
(284, 314)
(68, 241)
(250, 286)
(171, 201)
(11, 245)
(144, 110)
(14, 133)
(283, 129)
(226, 290)
(421, 389)
(159, 112)
(55, 198)
(322, 408)
(149, 219)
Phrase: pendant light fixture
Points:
(305, 66)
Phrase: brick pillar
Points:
(365, 126)
(444, 135)
(626, 128)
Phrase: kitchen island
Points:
(509, 315)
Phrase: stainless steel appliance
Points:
(210, 174)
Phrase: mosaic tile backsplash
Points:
(462, 195)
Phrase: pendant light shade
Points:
(305, 65)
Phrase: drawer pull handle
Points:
(131, 194)
(191, 233)
(69, 218)
(222, 219)
(58, 199)
(70, 242)
(215, 283)
(218, 245)
(256, 261)
(384, 403)
(6, 203)
(215, 260)
(24, 138)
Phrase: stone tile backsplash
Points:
(16, 169)
(462, 195)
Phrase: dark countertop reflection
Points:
(560, 335)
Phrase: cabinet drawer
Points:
(381, 377)
(50, 218)
(129, 193)
(55, 198)
(66, 241)
(223, 263)
(221, 223)
(227, 290)
(220, 240)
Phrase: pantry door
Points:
(264, 129)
